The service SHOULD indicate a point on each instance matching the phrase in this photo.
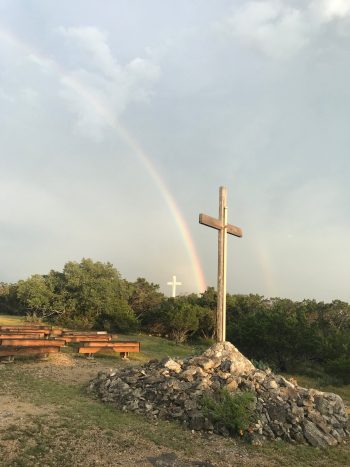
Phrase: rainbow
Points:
(107, 115)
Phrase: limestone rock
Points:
(172, 365)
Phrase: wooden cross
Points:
(224, 228)
(174, 284)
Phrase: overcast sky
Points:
(117, 114)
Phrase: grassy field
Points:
(47, 418)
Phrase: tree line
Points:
(308, 336)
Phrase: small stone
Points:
(172, 365)
(232, 386)
(272, 384)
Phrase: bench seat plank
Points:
(110, 343)
(20, 335)
(46, 332)
(102, 338)
(117, 347)
(24, 327)
(9, 351)
(85, 333)
(8, 341)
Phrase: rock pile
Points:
(174, 388)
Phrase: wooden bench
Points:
(8, 341)
(23, 327)
(123, 347)
(47, 330)
(13, 350)
(84, 333)
(18, 335)
(26, 330)
(10, 346)
(85, 337)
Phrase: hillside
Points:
(46, 418)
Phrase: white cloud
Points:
(329, 10)
(100, 89)
(280, 29)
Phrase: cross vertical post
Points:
(223, 229)
(222, 259)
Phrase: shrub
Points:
(234, 412)
(339, 369)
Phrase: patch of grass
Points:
(159, 347)
(301, 455)
(11, 320)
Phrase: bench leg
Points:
(44, 357)
(124, 355)
(90, 356)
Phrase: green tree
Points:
(9, 302)
(93, 290)
(177, 318)
(144, 297)
(37, 296)
(85, 294)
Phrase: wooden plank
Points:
(218, 225)
(23, 350)
(210, 221)
(16, 335)
(233, 230)
(32, 342)
(87, 338)
(85, 333)
(39, 332)
(56, 332)
(43, 331)
(116, 348)
(110, 344)
(222, 253)
(25, 326)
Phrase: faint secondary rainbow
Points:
(112, 121)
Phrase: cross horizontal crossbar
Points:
(216, 224)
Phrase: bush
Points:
(234, 412)
(339, 369)
(120, 320)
